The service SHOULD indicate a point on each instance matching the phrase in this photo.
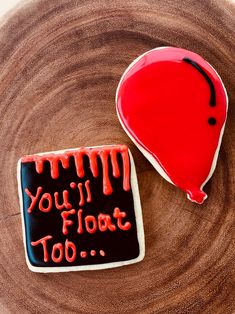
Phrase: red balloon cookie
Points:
(173, 105)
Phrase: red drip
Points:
(79, 164)
(93, 163)
(116, 171)
(54, 167)
(39, 166)
(107, 188)
(92, 153)
(65, 161)
(126, 170)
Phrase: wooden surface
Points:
(60, 63)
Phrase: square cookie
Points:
(80, 209)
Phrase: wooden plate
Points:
(60, 63)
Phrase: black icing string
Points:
(205, 75)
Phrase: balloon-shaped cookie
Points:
(173, 105)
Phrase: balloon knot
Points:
(197, 195)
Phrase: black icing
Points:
(118, 245)
(212, 121)
(205, 75)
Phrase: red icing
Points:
(87, 186)
(81, 203)
(70, 246)
(116, 171)
(102, 253)
(79, 164)
(93, 252)
(73, 185)
(83, 254)
(80, 229)
(93, 162)
(126, 171)
(67, 222)
(65, 203)
(107, 188)
(43, 241)
(33, 198)
(105, 223)
(119, 215)
(58, 247)
(164, 103)
(92, 153)
(46, 197)
(91, 224)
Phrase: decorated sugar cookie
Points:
(173, 105)
(80, 209)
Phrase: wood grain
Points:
(60, 63)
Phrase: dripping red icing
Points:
(173, 104)
(93, 153)
(77, 217)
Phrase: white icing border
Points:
(149, 156)
(138, 216)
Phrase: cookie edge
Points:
(138, 218)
